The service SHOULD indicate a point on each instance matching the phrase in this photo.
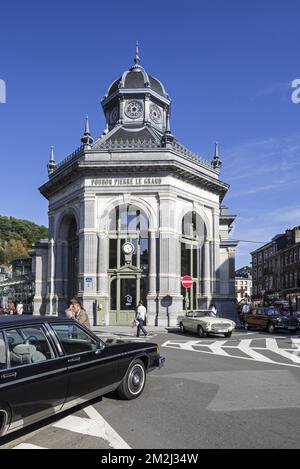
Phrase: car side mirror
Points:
(100, 346)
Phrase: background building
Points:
(19, 285)
(131, 213)
(243, 283)
(276, 269)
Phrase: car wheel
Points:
(133, 382)
(271, 328)
(182, 328)
(246, 326)
(228, 334)
(201, 332)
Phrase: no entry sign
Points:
(187, 281)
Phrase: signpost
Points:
(262, 296)
(186, 282)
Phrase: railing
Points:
(128, 144)
(72, 157)
(194, 156)
(136, 145)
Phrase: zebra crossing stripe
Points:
(253, 353)
(272, 345)
(245, 347)
(28, 446)
(95, 426)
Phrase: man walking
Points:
(141, 315)
(79, 313)
(20, 308)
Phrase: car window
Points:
(202, 314)
(3, 363)
(73, 339)
(28, 345)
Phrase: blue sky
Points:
(227, 65)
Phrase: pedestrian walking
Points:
(213, 310)
(20, 308)
(245, 310)
(141, 316)
(80, 313)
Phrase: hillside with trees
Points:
(17, 237)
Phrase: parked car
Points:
(270, 318)
(202, 322)
(48, 364)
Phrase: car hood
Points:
(210, 320)
(127, 344)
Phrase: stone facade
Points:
(136, 183)
(276, 270)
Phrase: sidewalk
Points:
(128, 330)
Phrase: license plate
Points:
(291, 328)
(222, 330)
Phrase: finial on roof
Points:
(86, 139)
(137, 57)
(216, 162)
(87, 126)
(52, 158)
(51, 166)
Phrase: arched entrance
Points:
(193, 235)
(67, 253)
(128, 274)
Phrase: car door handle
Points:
(9, 375)
(74, 360)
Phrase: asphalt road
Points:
(242, 392)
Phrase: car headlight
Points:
(157, 349)
(279, 320)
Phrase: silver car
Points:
(203, 322)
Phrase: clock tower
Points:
(137, 100)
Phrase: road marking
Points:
(28, 446)
(253, 353)
(272, 345)
(95, 426)
(244, 346)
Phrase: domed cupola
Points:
(137, 99)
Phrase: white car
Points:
(203, 322)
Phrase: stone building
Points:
(131, 213)
(276, 269)
(243, 284)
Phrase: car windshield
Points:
(202, 314)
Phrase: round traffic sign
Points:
(187, 281)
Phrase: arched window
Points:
(128, 223)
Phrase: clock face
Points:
(128, 248)
(113, 117)
(155, 113)
(134, 109)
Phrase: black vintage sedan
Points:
(48, 364)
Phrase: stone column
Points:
(102, 279)
(216, 252)
(88, 255)
(152, 294)
(206, 270)
(51, 297)
(170, 299)
(152, 264)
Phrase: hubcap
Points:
(136, 379)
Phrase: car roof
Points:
(12, 320)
